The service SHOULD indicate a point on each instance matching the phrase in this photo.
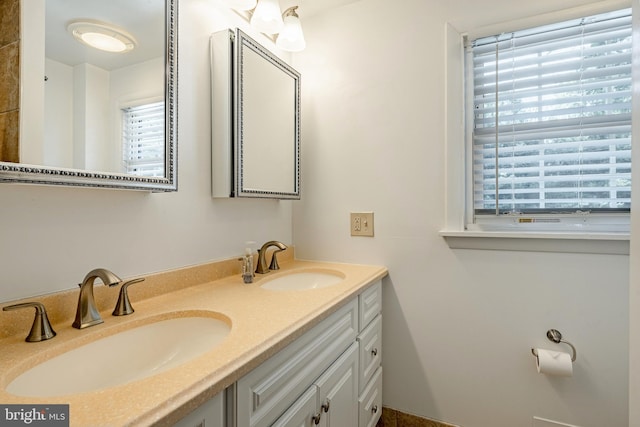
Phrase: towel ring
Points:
(555, 336)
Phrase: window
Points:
(551, 125)
(143, 151)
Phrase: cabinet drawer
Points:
(370, 304)
(209, 414)
(370, 401)
(370, 351)
(267, 391)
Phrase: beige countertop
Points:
(262, 323)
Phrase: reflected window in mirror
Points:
(143, 139)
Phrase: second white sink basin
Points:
(304, 279)
(124, 357)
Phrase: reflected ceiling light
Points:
(241, 4)
(102, 36)
(267, 17)
(291, 37)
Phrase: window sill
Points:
(586, 243)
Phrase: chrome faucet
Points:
(262, 255)
(87, 313)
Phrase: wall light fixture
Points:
(291, 38)
(267, 18)
(102, 36)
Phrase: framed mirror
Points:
(256, 143)
(102, 116)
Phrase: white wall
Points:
(58, 120)
(31, 80)
(91, 129)
(52, 236)
(458, 324)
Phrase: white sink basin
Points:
(303, 279)
(124, 357)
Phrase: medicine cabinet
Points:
(255, 120)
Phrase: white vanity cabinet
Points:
(303, 412)
(270, 389)
(328, 377)
(338, 390)
(209, 414)
(332, 400)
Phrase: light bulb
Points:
(103, 42)
(291, 37)
(267, 17)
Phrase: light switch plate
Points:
(362, 224)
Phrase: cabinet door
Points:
(370, 304)
(266, 392)
(370, 351)
(338, 390)
(209, 414)
(303, 412)
(371, 401)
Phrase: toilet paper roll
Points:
(556, 363)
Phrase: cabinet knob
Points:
(325, 406)
(374, 409)
(374, 352)
(316, 418)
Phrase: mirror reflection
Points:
(94, 96)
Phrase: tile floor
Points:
(392, 418)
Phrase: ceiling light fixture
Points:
(291, 37)
(267, 17)
(102, 36)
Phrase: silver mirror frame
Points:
(31, 174)
(243, 41)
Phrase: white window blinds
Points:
(143, 139)
(552, 118)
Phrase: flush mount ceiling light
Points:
(102, 36)
(241, 4)
(267, 17)
(291, 37)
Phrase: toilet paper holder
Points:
(555, 336)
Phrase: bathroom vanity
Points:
(330, 376)
(292, 357)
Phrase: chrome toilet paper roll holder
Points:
(555, 336)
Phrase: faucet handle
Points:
(123, 306)
(41, 329)
(274, 261)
